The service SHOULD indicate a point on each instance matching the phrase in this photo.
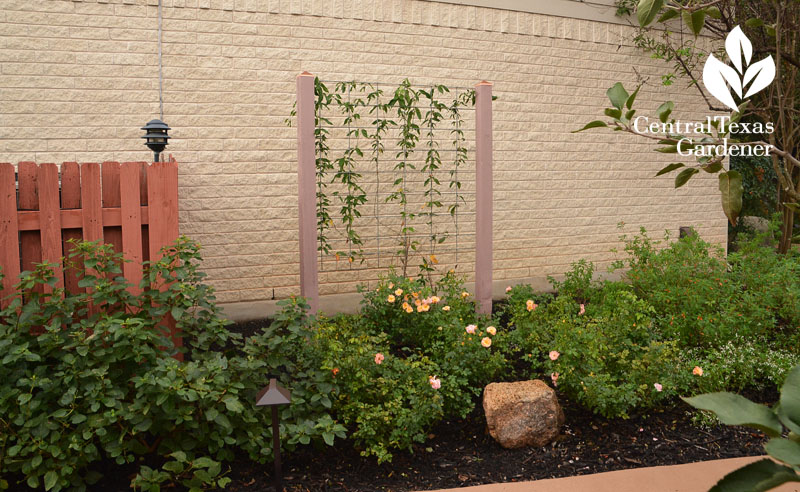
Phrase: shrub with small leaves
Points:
(688, 283)
(432, 321)
(386, 399)
(411, 312)
(604, 355)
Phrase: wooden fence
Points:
(133, 206)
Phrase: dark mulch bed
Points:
(462, 453)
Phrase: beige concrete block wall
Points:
(78, 78)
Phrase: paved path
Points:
(691, 477)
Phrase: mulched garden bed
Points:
(462, 453)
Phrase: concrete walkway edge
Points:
(690, 477)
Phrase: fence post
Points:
(306, 174)
(483, 196)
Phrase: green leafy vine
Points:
(346, 173)
(416, 114)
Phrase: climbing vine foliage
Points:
(415, 135)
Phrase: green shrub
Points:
(688, 284)
(578, 282)
(411, 313)
(608, 358)
(685, 306)
(385, 399)
(91, 376)
(467, 362)
(771, 280)
(437, 330)
(283, 350)
(516, 306)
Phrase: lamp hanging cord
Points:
(160, 72)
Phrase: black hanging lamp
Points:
(156, 137)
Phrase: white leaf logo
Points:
(735, 44)
(720, 78)
(715, 74)
(763, 72)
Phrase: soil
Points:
(462, 453)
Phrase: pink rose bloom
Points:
(658, 387)
(554, 355)
(435, 383)
(554, 378)
(697, 371)
(508, 289)
(471, 329)
(379, 358)
(583, 309)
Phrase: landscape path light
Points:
(273, 396)
(156, 137)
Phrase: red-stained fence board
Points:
(130, 199)
(30, 220)
(30, 241)
(70, 200)
(9, 233)
(143, 200)
(50, 215)
(111, 199)
(91, 202)
(162, 195)
(111, 234)
(91, 207)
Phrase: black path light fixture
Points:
(156, 137)
(273, 396)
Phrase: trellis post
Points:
(483, 196)
(306, 173)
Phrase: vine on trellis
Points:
(403, 112)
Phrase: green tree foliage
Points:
(768, 33)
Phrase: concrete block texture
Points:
(78, 78)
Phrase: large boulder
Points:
(524, 413)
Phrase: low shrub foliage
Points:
(94, 376)
(684, 320)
